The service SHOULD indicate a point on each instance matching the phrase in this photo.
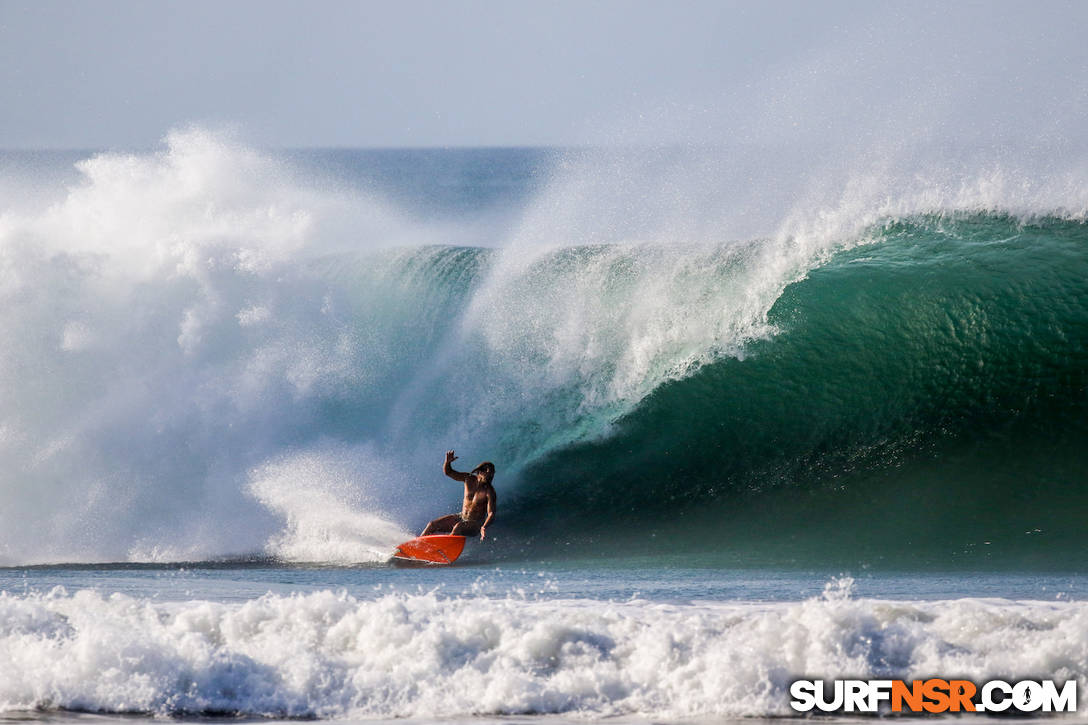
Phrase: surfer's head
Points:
(487, 468)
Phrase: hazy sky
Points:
(335, 73)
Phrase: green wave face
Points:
(925, 398)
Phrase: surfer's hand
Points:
(482, 530)
(450, 458)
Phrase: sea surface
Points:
(757, 415)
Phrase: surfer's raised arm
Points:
(448, 469)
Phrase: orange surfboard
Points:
(433, 549)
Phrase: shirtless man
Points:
(479, 501)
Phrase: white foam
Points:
(320, 495)
(331, 655)
(164, 339)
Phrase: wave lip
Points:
(940, 359)
(331, 655)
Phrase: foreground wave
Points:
(330, 655)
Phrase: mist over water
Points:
(214, 351)
(165, 337)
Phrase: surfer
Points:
(478, 508)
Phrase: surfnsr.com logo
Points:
(933, 695)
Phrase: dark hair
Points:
(486, 467)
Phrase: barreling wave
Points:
(328, 655)
(926, 391)
(211, 354)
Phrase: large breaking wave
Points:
(209, 353)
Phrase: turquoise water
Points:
(678, 580)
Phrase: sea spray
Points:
(165, 335)
(320, 494)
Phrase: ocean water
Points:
(757, 414)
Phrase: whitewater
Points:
(712, 386)
(333, 655)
